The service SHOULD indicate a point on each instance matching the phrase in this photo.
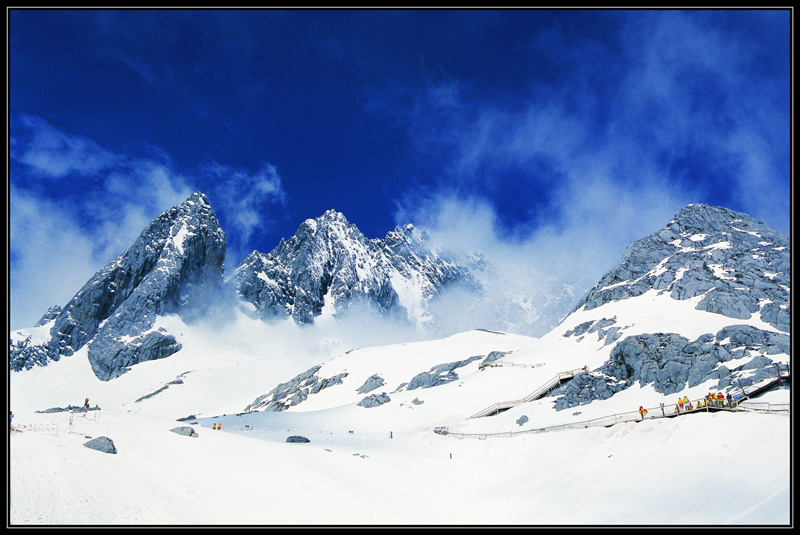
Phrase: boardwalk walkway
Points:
(633, 416)
(741, 402)
(536, 394)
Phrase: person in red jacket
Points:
(720, 400)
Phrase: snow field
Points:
(703, 469)
(688, 470)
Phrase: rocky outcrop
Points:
(52, 313)
(372, 382)
(174, 266)
(329, 264)
(185, 430)
(669, 362)
(736, 265)
(374, 400)
(103, 444)
(492, 357)
(294, 391)
(439, 374)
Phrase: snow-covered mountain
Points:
(701, 306)
(327, 269)
(736, 265)
(173, 267)
(329, 266)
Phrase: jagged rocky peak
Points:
(171, 268)
(329, 265)
(735, 264)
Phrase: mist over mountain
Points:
(329, 267)
(702, 304)
(173, 267)
(722, 261)
(160, 335)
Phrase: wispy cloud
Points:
(613, 153)
(75, 205)
(243, 196)
(51, 153)
(51, 256)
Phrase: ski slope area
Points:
(701, 469)
(384, 465)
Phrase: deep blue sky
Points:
(566, 133)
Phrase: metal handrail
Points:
(667, 411)
(549, 385)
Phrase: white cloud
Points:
(51, 153)
(51, 256)
(60, 238)
(604, 172)
(243, 197)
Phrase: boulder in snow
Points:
(185, 430)
(104, 444)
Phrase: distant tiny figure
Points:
(662, 409)
(642, 411)
(730, 400)
(680, 404)
(10, 419)
(721, 399)
(86, 404)
(691, 407)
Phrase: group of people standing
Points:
(711, 400)
(685, 405)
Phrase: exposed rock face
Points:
(185, 430)
(439, 374)
(734, 265)
(493, 356)
(738, 265)
(374, 400)
(328, 265)
(671, 363)
(295, 391)
(372, 382)
(51, 314)
(173, 267)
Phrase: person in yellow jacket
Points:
(642, 411)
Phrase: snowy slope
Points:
(369, 401)
(384, 465)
